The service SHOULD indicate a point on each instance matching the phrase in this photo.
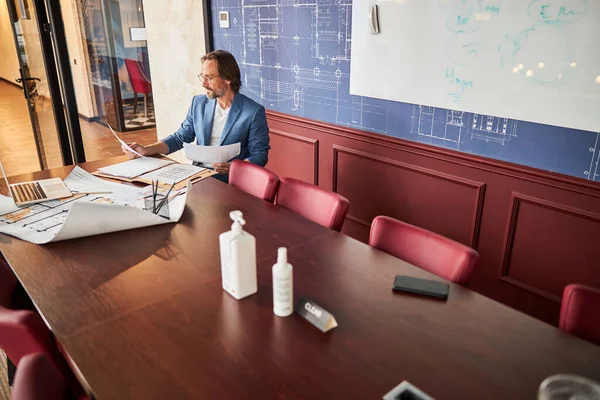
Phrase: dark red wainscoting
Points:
(536, 231)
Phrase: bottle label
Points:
(226, 272)
(282, 294)
(227, 267)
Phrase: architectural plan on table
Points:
(87, 214)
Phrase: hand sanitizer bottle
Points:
(283, 285)
(238, 259)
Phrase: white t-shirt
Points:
(219, 120)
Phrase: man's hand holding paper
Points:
(134, 150)
(222, 167)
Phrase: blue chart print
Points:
(295, 58)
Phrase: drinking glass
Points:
(568, 387)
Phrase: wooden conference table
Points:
(142, 315)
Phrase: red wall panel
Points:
(294, 156)
(548, 245)
(535, 231)
(443, 203)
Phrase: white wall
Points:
(9, 64)
(175, 33)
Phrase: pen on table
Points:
(74, 193)
(154, 193)
(165, 199)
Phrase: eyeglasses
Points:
(210, 78)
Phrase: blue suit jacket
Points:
(246, 123)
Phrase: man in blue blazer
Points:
(222, 116)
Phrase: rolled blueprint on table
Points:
(7, 205)
(113, 218)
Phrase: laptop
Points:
(24, 193)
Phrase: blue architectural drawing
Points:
(436, 123)
(593, 172)
(450, 126)
(492, 129)
(295, 58)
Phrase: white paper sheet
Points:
(136, 167)
(211, 154)
(123, 143)
(87, 215)
(80, 181)
(173, 173)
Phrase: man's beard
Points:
(214, 94)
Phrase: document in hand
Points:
(211, 154)
(125, 145)
(119, 207)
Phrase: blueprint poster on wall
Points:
(295, 58)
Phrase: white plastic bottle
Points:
(238, 259)
(283, 285)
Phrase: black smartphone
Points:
(425, 287)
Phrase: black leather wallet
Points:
(425, 287)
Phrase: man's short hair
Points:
(227, 66)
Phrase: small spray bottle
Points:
(283, 285)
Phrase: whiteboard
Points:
(530, 60)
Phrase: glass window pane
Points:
(112, 66)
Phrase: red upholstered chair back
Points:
(253, 179)
(580, 312)
(432, 252)
(139, 82)
(38, 379)
(22, 333)
(318, 205)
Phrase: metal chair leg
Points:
(134, 102)
(145, 105)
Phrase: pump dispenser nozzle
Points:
(238, 221)
(237, 216)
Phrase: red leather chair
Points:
(22, 332)
(321, 206)
(139, 82)
(8, 283)
(432, 252)
(38, 379)
(258, 181)
(580, 312)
